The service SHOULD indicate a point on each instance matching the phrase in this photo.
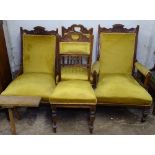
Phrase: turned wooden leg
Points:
(145, 112)
(54, 119)
(92, 118)
(16, 113)
(153, 112)
(12, 122)
(7, 114)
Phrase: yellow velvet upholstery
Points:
(141, 68)
(74, 73)
(31, 84)
(121, 89)
(76, 36)
(73, 91)
(116, 52)
(39, 53)
(96, 67)
(74, 48)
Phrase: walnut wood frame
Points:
(120, 29)
(75, 58)
(72, 28)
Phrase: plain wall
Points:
(146, 37)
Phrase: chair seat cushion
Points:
(74, 73)
(31, 84)
(121, 89)
(73, 91)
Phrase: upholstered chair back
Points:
(75, 52)
(39, 53)
(75, 45)
(116, 52)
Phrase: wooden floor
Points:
(109, 120)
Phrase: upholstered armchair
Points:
(69, 72)
(38, 66)
(115, 81)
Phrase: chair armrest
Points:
(95, 67)
(145, 72)
(142, 69)
(57, 79)
(95, 73)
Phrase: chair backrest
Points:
(39, 48)
(117, 49)
(75, 49)
(77, 28)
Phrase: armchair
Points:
(114, 79)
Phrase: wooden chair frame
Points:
(120, 28)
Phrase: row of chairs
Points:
(59, 70)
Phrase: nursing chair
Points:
(69, 72)
(115, 81)
(75, 50)
(37, 74)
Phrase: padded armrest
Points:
(95, 67)
(142, 69)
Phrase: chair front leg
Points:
(145, 112)
(92, 118)
(54, 119)
(12, 122)
(17, 114)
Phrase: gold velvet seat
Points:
(121, 89)
(114, 74)
(31, 84)
(74, 91)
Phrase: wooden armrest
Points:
(145, 72)
(142, 69)
(95, 73)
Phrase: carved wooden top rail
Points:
(117, 28)
(39, 30)
(80, 37)
(77, 28)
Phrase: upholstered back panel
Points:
(77, 36)
(74, 47)
(116, 52)
(39, 53)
